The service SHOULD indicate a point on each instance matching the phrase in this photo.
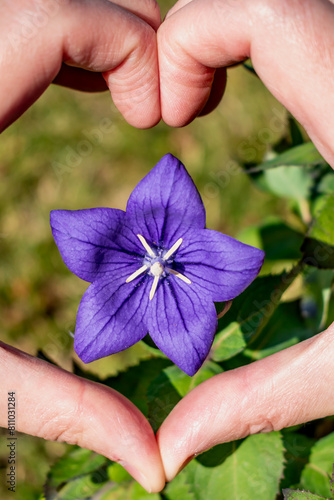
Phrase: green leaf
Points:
(179, 489)
(317, 303)
(129, 491)
(81, 488)
(297, 453)
(76, 462)
(295, 132)
(318, 246)
(134, 382)
(252, 471)
(249, 314)
(170, 386)
(302, 155)
(280, 241)
(292, 182)
(285, 328)
(117, 473)
(317, 473)
(228, 342)
(300, 495)
(326, 185)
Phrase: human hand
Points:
(74, 43)
(290, 44)
(59, 406)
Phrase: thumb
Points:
(59, 406)
(288, 388)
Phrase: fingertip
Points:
(185, 83)
(174, 446)
(134, 84)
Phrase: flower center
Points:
(155, 264)
(157, 269)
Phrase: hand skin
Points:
(75, 43)
(57, 405)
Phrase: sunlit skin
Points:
(290, 387)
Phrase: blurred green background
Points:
(73, 150)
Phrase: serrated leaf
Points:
(252, 471)
(170, 386)
(318, 247)
(81, 488)
(317, 473)
(300, 495)
(76, 462)
(179, 489)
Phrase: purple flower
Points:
(154, 268)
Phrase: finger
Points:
(59, 406)
(290, 43)
(177, 6)
(285, 389)
(97, 36)
(147, 10)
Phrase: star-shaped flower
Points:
(154, 268)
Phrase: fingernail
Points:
(137, 475)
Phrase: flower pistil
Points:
(155, 264)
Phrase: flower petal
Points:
(166, 203)
(182, 322)
(111, 317)
(221, 265)
(95, 241)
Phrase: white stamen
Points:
(179, 275)
(136, 273)
(173, 249)
(154, 286)
(146, 245)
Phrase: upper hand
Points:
(73, 43)
(290, 44)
